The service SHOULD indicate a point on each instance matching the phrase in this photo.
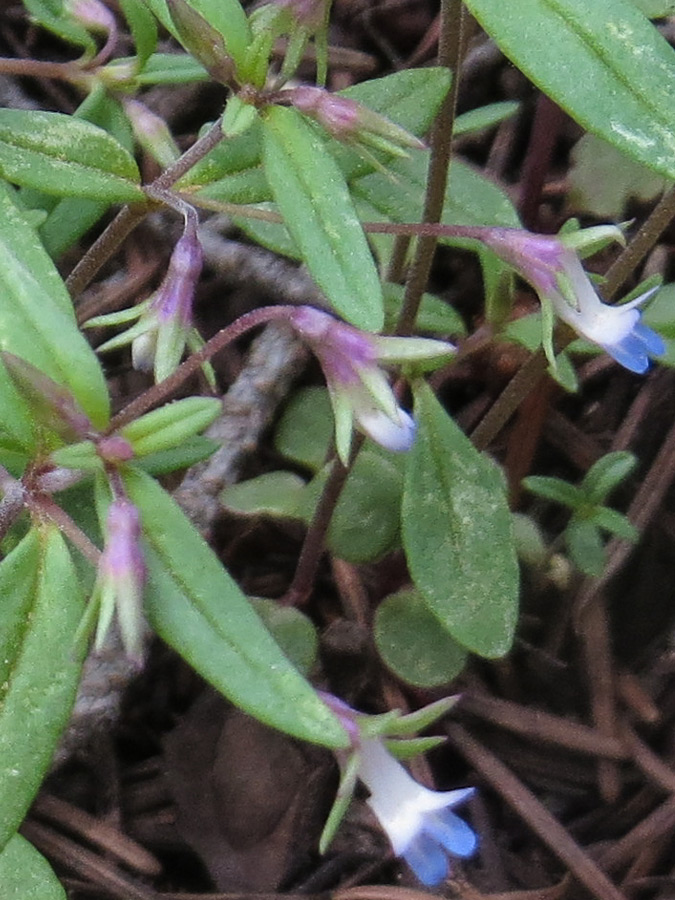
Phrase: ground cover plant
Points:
(335, 429)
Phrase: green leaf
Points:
(306, 428)
(50, 14)
(456, 530)
(555, 489)
(71, 217)
(167, 427)
(365, 522)
(608, 472)
(413, 643)
(161, 68)
(655, 9)
(274, 494)
(314, 200)
(39, 665)
(192, 451)
(198, 609)
(226, 16)
(615, 523)
(471, 199)
(436, 316)
(484, 117)
(592, 191)
(603, 62)
(37, 321)
(585, 546)
(143, 29)
(26, 875)
(292, 630)
(63, 155)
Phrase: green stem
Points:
(624, 266)
(449, 55)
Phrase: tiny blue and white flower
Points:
(555, 272)
(359, 389)
(419, 822)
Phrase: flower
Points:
(359, 390)
(350, 121)
(121, 577)
(555, 272)
(420, 823)
(164, 321)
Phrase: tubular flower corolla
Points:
(555, 272)
(419, 822)
(359, 389)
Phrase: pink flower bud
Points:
(122, 575)
(93, 14)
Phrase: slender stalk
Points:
(130, 216)
(650, 231)
(36, 68)
(313, 546)
(44, 507)
(449, 55)
(165, 389)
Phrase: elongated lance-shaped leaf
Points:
(26, 875)
(456, 530)
(196, 607)
(37, 323)
(314, 200)
(603, 62)
(39, 665)
(67, 156)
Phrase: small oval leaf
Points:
(413, 643)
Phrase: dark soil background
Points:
(570, 739)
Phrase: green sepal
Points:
(343, 798)
(170, 425)
(82, 456)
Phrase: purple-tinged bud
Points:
(161, 345)
(51, 405)
(93, 14)
(115, 449)
(340, 116)
(151, 132)
(122, 576)
(349, 121)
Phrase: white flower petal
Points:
(396, 434)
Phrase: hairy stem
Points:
(165, 389)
